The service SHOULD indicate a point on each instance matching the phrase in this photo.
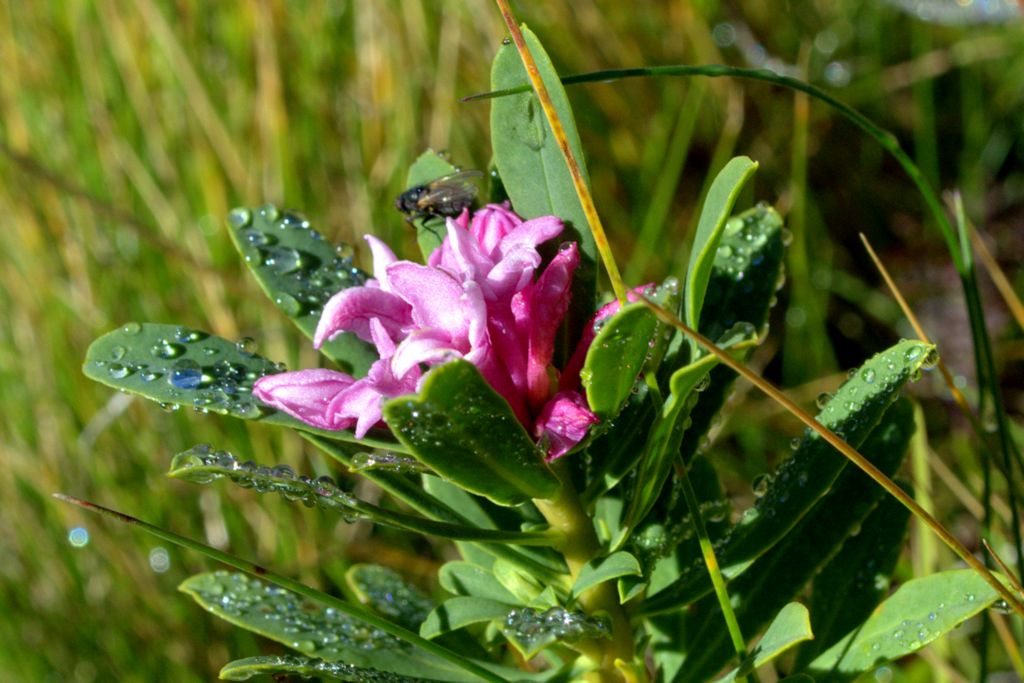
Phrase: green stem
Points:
(714, 571)
(265, 574)
(565, 514)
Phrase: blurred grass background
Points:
(128, 129)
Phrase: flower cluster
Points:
(477, 299)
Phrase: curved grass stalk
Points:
(849, 452)
(260, 572)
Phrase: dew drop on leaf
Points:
(186, 374)
(132, 328)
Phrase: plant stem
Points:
(714, 571)
(581, 545)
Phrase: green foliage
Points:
(307, 667)
(386, 593)
(300, 271)
(462, 429)
(920, 611)
(790, 627)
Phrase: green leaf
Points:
(613, 454)
(300, 271)
(472, 580)
(852, 584)
(308, 667)
(780, 574)
(526, 153)
(385, 592)
(791, 626)
(533, 170)
(311, 628)
(430, 230)
(463, 430)
(605, 569)
(203, 465)
(920, 611)
(458, 612)
(531, 630)
(745, 276)
(177, 366)
(713, 216)
(619, 351)
(801, 480)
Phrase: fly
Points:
(447, 196)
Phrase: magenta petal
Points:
(430, 346)
(305, 395)
(361, 404)
(531, 233)
(548, 304)
(351, 310)
(382, 258)
(464, 256)
(435, 297)
(512, 273)
(563, 423)
(491, 224)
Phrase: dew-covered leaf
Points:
(472, 580)
(852, 584)
(463, 430)
(721, 197)
(605, 569)
(620, 349)
(311, 628)
(744, 279)
(780, 574)
(176, 366)
(308, 667)
(802, 479)
(430, 230)
(920, 611)
(300, 270)
(531, 630)
(202, 465)
(792, 625)
(384, 591)
(458, 612)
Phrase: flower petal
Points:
(491, 224)
(305, 395)
(563, 423)
(351, 310)
(434, 295)
(531, 233)
(548, 302)
(382, 258)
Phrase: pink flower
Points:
(476, 299)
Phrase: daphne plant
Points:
(554, 441)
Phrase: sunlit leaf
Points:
(792, 625)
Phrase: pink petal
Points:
(464, 256)
(509, 346)
(548, 303)
(531, 233)
(382, 258)
(429, 346)
(490, 226)
(563, 423)
(305, 395)
(351, 310)
(434, 295)
(361, 404)
(512, 273)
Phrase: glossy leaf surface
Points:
(605, 569)
(801, 480)
(463, 430)
(384, 591)
(310, 628)
(300, 270)
(308, 667)
(791, 626)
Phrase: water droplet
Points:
(117, 353)
(868, 375)
(794, 443)
(184, 335)
(159, 560)
(506, 41)
(119, 371)
(168, 406)
(823, 400)
(283, 260)
(239, 218)
(167, 349)
(289, 304)
(132, 328)
(269, 213)
(931, 359)
(787, 237)
(186, 374)
(246, 346)
(760, 484)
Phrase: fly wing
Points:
(451, 193)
